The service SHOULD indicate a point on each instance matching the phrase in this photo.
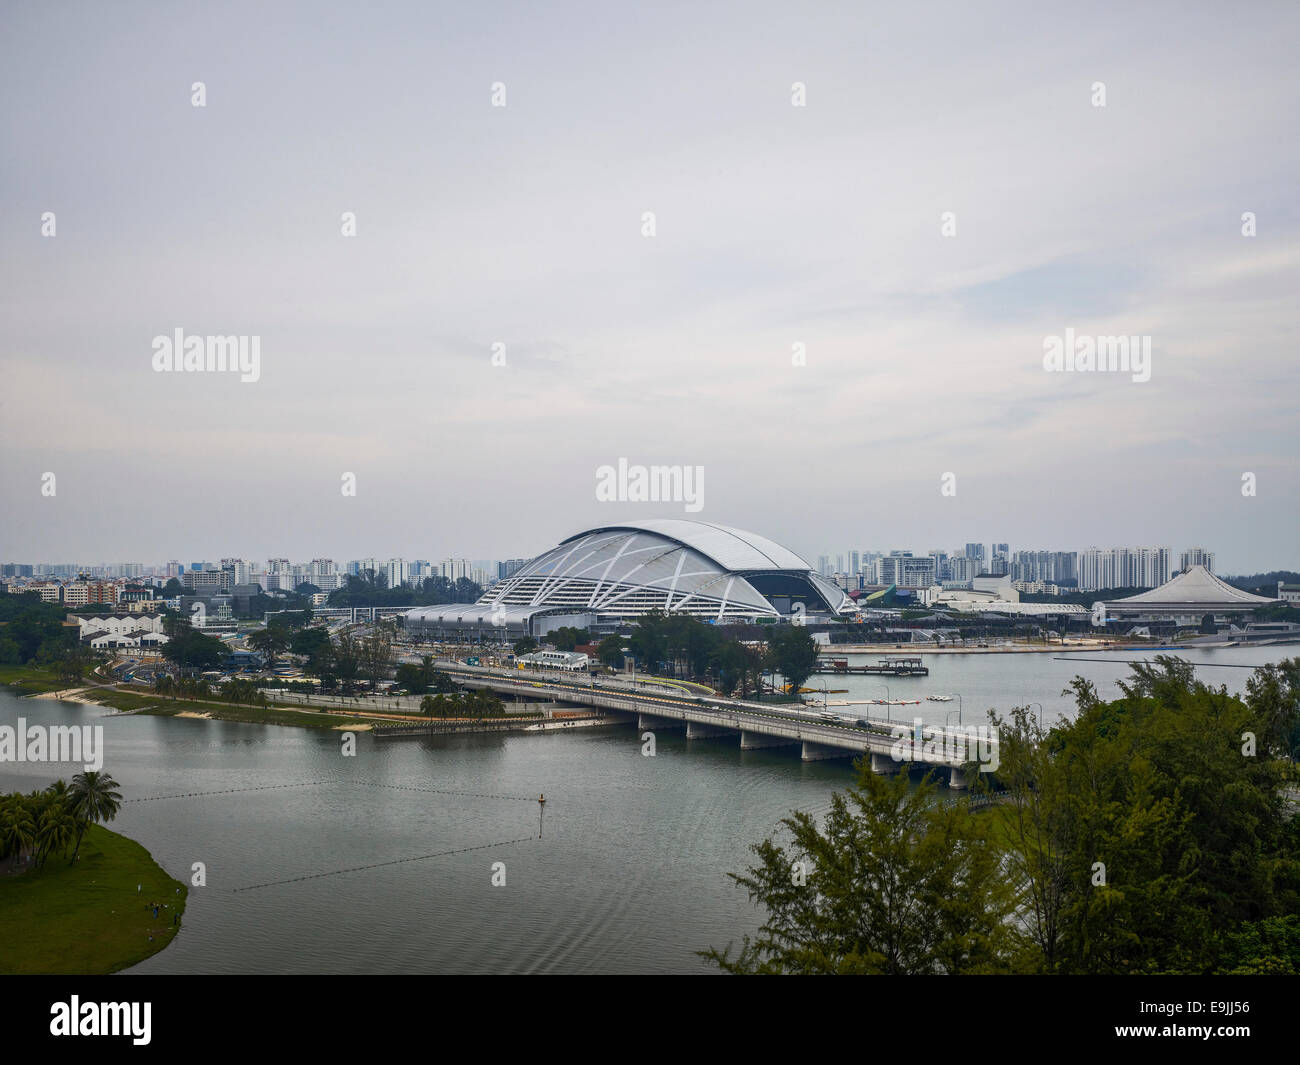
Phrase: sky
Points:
(524, 225)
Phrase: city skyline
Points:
(1004, 560)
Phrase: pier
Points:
(886, 667)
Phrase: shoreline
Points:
(92, 918)
(129, 702)
(124, 702)
(907, 650)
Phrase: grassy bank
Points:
(251, 715)
(87, 918)
(31, 680)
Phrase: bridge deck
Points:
(933, 746)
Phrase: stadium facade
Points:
(1186, 599)
(604, 577)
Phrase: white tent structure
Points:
(1186, 599)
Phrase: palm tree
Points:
(17, 829)
(94, 798)
(55, 830)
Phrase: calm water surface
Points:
(629, 877)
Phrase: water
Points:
(1001, 681)
(630, 877)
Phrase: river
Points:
(630, 875)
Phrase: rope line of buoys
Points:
(446, 791)
(230, 791)
(380, 865)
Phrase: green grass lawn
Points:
(87, 918)
(29, 680)
(144, 702)
(252, 715)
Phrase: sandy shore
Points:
(65, 693)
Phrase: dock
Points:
(886, 667)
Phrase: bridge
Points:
(889, 744)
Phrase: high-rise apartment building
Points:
(453, 569)
(905, 570)
(1123, 567)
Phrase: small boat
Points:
(939, 698)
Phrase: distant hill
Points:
(1263, 583)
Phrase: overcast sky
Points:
(775, 225)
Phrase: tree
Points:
(649, 641)
(411, 678)
(347, 660)
(174, 624)
(1037, 818)
(56, 829)
(17, 827)
(792, 652)
(271, 640)
(730, 664)
(35, 629)
(894, 883)
(92, 798)
(73, 666)
(1273, 693)
(1143, 832)
(566, 638)
(610, 651)
(10, 653)
(526, 645)
(309, 642)
(376, 656)
(194, 650)
(1266, 948)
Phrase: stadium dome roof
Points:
(674, 565)
(728, 547)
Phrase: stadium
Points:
(604, 577)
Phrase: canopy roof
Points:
(1198, 587)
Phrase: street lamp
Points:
(958, 694)
(888, 697)
(1040, 714)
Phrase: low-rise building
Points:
(115, 624)
(572, 661)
